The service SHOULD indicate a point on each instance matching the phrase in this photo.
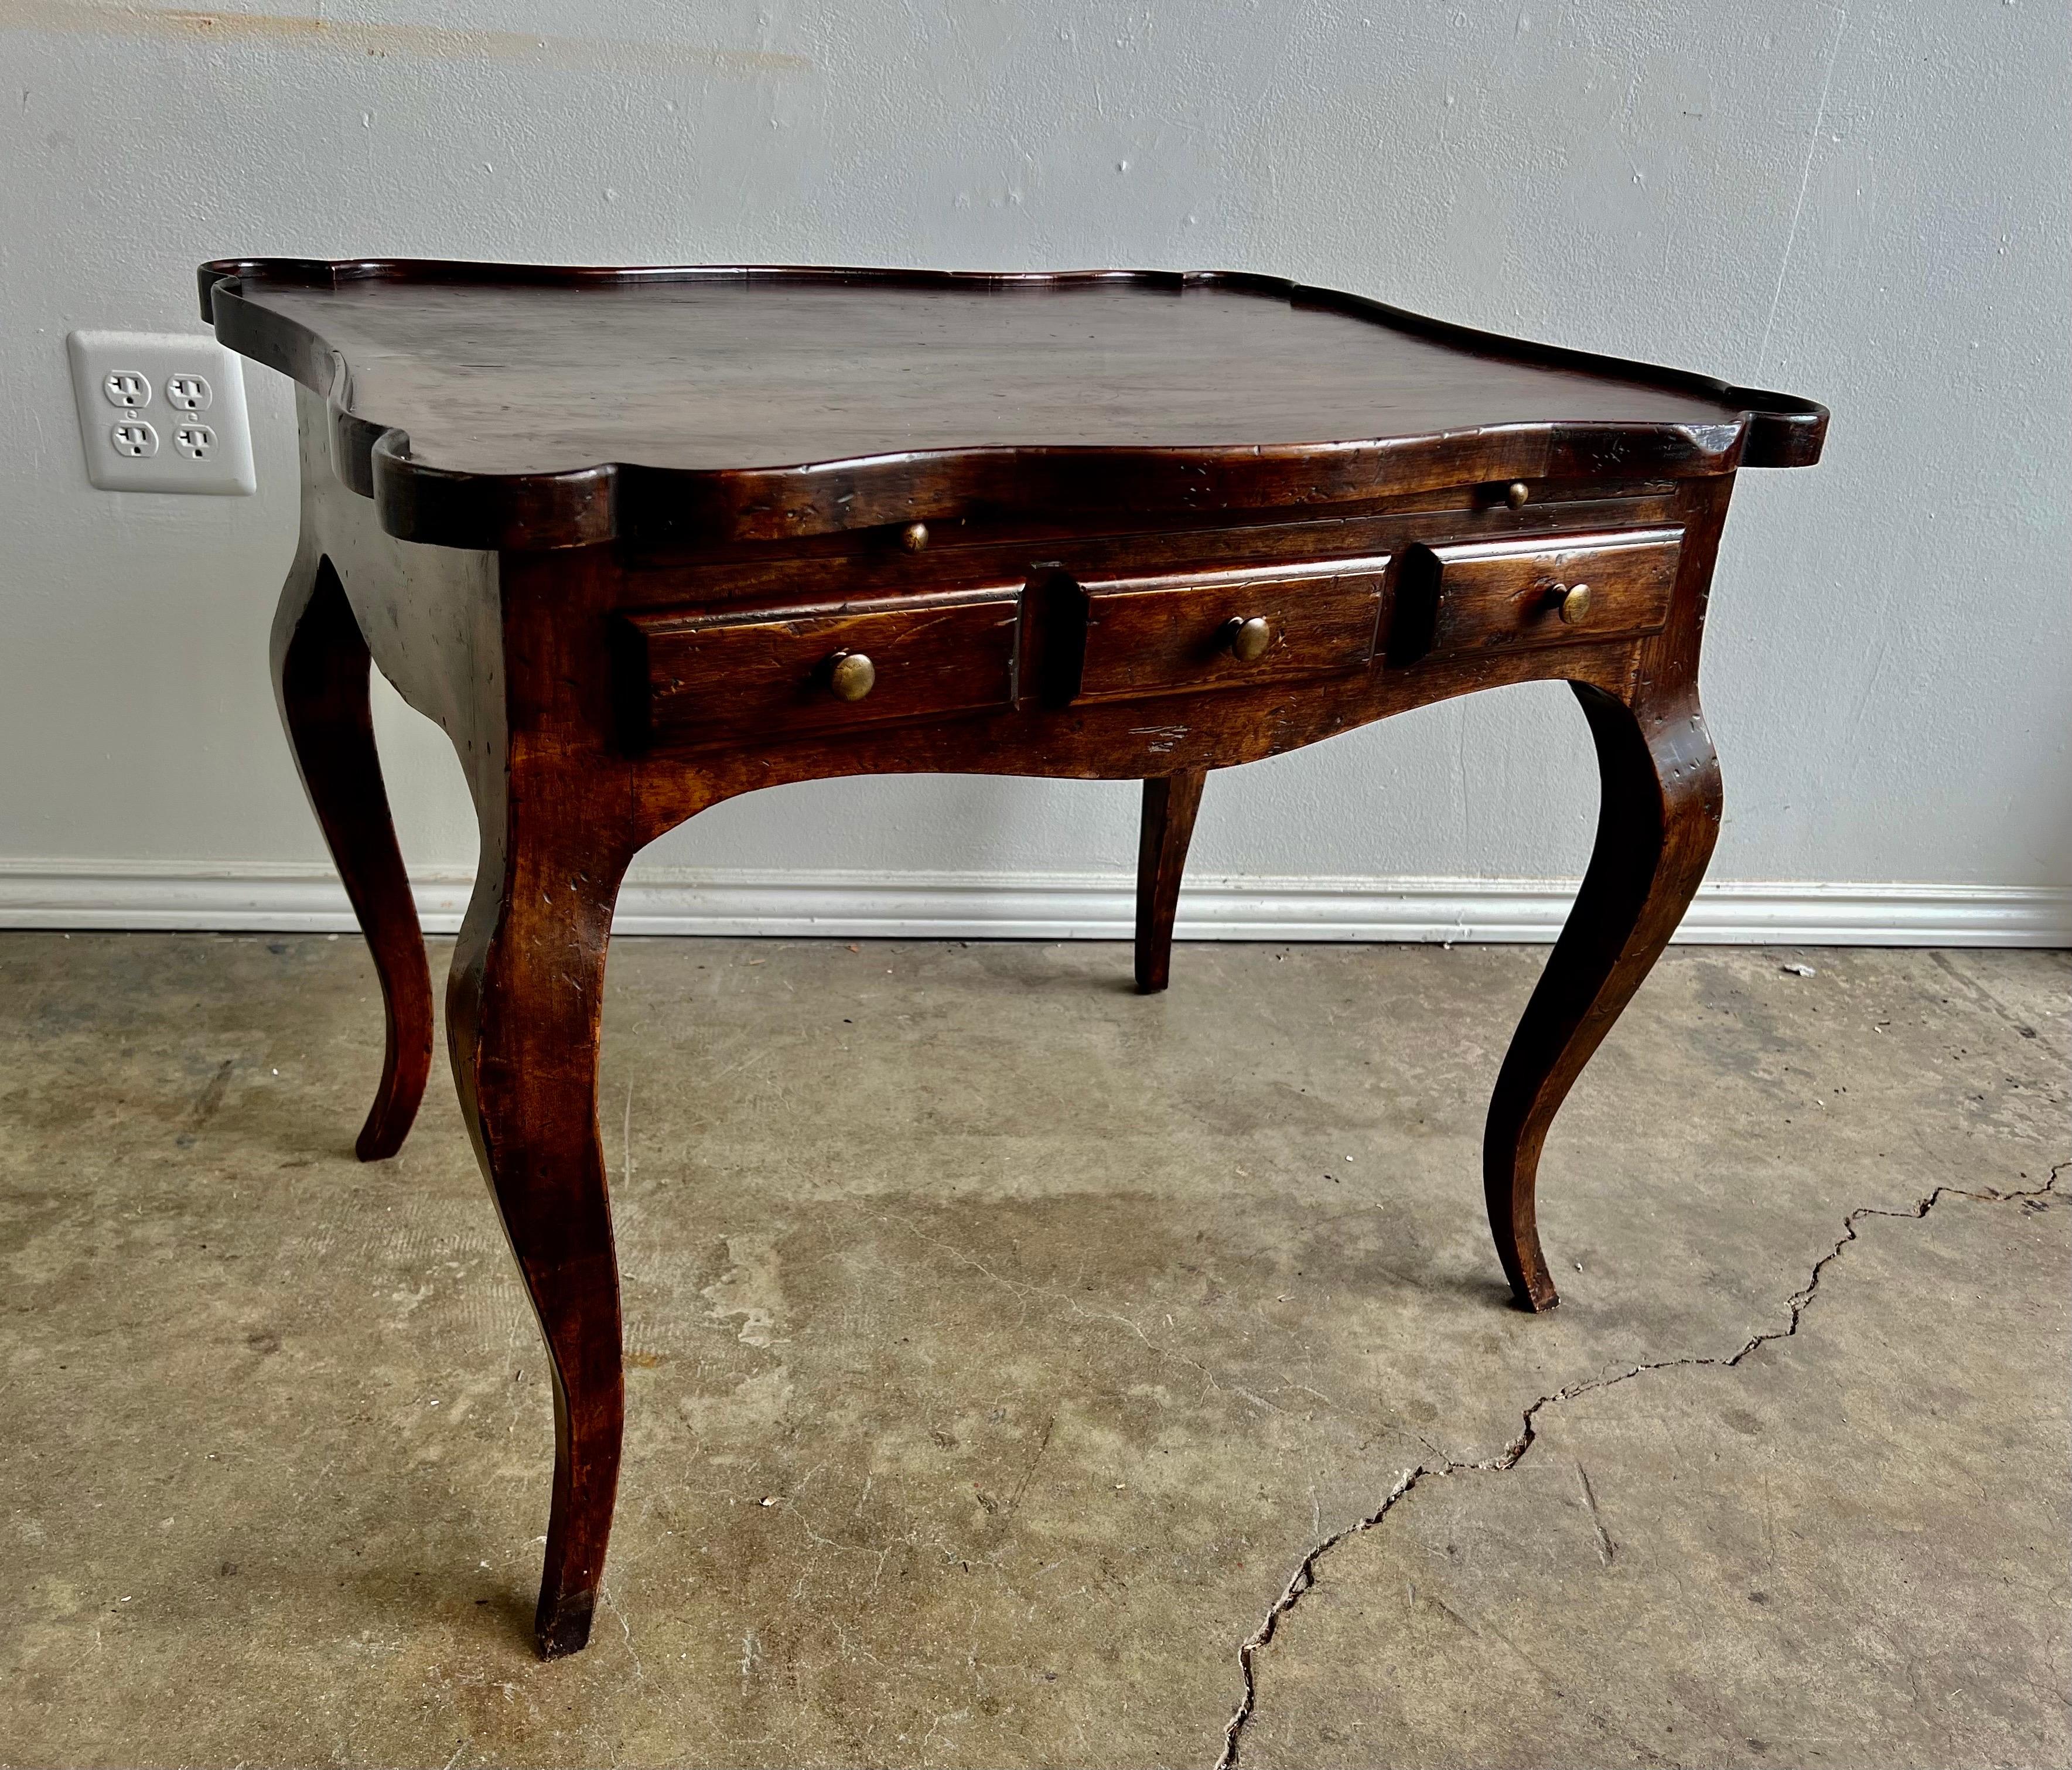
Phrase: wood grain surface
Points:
(708, 678)
(1169, 634)
(487, 405)
(1480, 595)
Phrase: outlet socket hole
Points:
(189, 393)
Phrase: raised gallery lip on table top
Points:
(421, 497)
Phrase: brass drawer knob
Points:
(1248, 639)
(914, 536)
(1573, 601)
(851, 675)
(1516, 493)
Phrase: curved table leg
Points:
(321, 669)
(1658, 816)
(1167, 827)
(522, 1015)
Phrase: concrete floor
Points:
(1025, 1373)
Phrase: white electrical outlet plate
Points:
(162, 412)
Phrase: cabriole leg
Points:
(321, 674)
(523, 1012)
(1168, 826)
(1659, 815)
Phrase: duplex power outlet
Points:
(162, 412)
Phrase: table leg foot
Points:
(321, 672)
(562, 1625)
(523, 1010)
(1658, 816)
(1166, 828)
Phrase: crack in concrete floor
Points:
(1305, 1576)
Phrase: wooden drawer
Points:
(1173, 634)
(1488, 596)
(744, 674)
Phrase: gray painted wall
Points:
(1866, 204)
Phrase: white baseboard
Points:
(272, 897)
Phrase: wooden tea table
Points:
(640, 540)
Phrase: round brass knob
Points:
(1575, 602)
(851, 675)
(914, 536)
(1248, 639)
(1516, 493)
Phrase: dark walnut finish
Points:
(643, 539)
